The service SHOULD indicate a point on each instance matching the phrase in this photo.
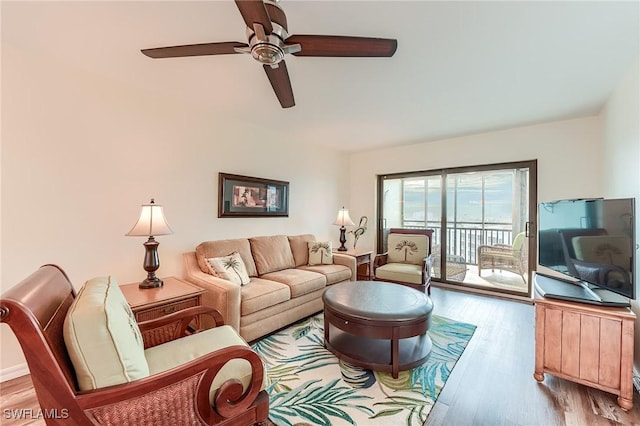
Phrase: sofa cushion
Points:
(300, 249)
(260, 294)
(102, 337)
(320, 253)
(407, 248)
(230, 268)
(180, 351)
(333, 273)
(299, 281)
(271, 253)
(209, 249)
(405, 272)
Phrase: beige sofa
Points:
(283, 288)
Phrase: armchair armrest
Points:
(173, 326)
(135, 400)
(379, 260)
(496, 249)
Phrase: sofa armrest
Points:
(222, 295)
(348, 261)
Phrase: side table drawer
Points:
(169, 308)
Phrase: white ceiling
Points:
(460, 67)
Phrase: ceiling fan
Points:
(269, 42)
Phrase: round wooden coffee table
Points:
(377, 325)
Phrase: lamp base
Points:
(343, 239)
(151, 264)
(151, 283)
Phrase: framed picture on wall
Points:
(245, 196)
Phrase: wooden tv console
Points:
(587, 344)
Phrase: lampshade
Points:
(152, 222)
(343, 218)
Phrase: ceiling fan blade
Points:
(326, 45)
(254, 11)
(194, 50)
(279, 78)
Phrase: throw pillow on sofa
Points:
(230, 268)
(320, 253)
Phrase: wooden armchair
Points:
(407, 260)
(36, 310)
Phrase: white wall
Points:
(80, 154)
(621, 174)
(568, 154)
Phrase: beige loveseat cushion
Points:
(298, 280)
(300, 249)
(271, 253)
(407, 248)
(333, 273)
(102, 337)
(261, 294)
(180, 351)
(209, 249)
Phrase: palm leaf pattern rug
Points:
(308, 384)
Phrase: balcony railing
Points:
(463, 238)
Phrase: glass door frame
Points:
(531, 233)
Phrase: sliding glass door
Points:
(481, 220)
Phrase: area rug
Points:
(307, 384)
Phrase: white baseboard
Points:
(13, 372)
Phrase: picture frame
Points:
(246, 196)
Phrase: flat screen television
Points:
(592, 241)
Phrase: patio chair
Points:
(185, 384)
(407, 260)
(512, 258)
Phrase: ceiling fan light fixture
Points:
(267, 53)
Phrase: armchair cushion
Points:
(102, 337)
(400, 272)
(407, 248)
(180, 351)
(604, 249)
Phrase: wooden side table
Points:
(151, 303)
(363, 262)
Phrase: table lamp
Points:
(151, 222)
(342, 220)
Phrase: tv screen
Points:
(591, 240)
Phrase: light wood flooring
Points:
(492, 383)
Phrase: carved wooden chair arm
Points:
(379, 260)
(175, 325)
(132, 402)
